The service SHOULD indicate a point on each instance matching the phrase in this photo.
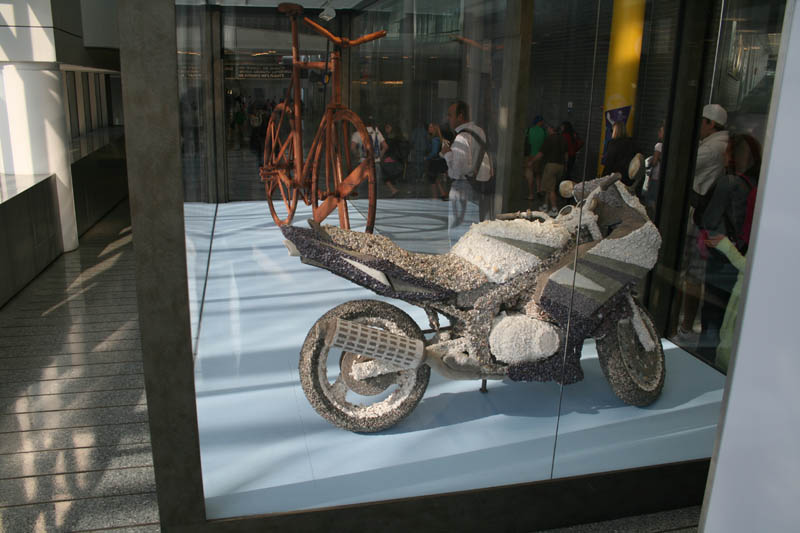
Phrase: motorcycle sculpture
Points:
(506, 288)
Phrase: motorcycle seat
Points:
(446, 271)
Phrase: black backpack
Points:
(481, 187)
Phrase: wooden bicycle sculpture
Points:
(327, 176)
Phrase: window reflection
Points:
(725, 181)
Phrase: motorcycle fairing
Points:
(623, 257)
(604, 273)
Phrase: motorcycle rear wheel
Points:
(636, 374)
(336, 399)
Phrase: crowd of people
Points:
(402, 163)
(549, 159)
(248, 119)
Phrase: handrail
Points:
(343, 42)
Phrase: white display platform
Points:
(264, 449)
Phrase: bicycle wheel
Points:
(334, 177)
(279, 165)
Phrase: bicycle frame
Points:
(337, 187)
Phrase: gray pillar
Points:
(513, 98)
(150, 98)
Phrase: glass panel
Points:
(741, 84)
(193, 86)
(642, 399)
(565, 297)
(256, 55)
(621, 366)
(404, 85)
(260, 304)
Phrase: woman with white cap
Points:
(710, 165)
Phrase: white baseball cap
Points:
(716, 113)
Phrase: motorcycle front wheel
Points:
(355, 392)
(634, 370)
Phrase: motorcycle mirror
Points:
(636, 168)
(566, 189)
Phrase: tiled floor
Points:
(74, 442)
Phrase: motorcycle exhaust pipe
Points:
(398, 351)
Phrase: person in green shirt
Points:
(534, 139)
(727, 248)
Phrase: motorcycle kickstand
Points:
(483, 388)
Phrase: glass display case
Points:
(570, 315)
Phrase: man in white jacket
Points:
(461, 160)
(711, 151)
(709, 166)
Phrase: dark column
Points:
(679, 154)
(150, 97)
(513, 98)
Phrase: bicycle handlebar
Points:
(344, 42)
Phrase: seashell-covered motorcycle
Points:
(520, 293)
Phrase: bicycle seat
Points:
(290, 9)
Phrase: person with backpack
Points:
(379, 147)
(469, 166)
(728, 214)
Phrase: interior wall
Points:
(99, 21)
